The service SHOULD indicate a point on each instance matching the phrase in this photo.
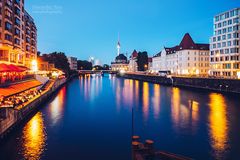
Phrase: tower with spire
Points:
(118, 46)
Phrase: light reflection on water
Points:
(34, 138)
(186, 122)
(156, 100)
(145, 99)
(57, 105)
(218, 124)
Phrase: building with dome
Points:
(120, 63)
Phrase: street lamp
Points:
(34, 65)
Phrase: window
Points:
(224, 44)
(221, 51)
(17, 1)
(8, 26)
(235, 28)
(229, 36)
(229, 22)
(224, 37)
(235, 42)
(236, 20)
(17, 21)
(235, 35)
(214, 45)
(224, 23)
(224, 30)
(229, 29)
(17, 11)
(28, 40)
(231, 13)
(227, 15)
(214, 39)
(229, 43)
(17, 41)
(226, 51)
(8, 37)
(17, 32)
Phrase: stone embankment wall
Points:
(213, 84)
(11, 117)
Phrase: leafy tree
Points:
(106, 67)
(142, 61)
(60, 61)
(98, 68)
(84, 65)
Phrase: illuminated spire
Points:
(118, 45)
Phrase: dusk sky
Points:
(84, 28)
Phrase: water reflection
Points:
(218, 123)
(175, 106)
(156, 101)
(136, 86)
(194, 114)
(184, 112)
(90, 86)
(56, 106)
(145, 100)
(34, 138)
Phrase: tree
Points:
(142, 61)
(60, 61)
(106, 67)
(98, 68)
(84, 65)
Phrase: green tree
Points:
(84, 65)
(142, 61)
(98, 68)
(60, 61)
(106, 67)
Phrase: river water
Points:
(91, 119)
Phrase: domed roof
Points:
(121, 57)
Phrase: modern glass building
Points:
(224, 48)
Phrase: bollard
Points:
(149, 144)
(135, 145)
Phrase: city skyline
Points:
(142, 25)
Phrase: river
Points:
(91, 118)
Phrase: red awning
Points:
(18, 88)
(4, 68)
(11, 68)
(15, 68)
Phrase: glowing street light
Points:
(34, 65)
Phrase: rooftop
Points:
(187, 43)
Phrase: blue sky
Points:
(84, 28)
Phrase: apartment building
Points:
(224, 44)
(72, 63)
(133, 67)
(18, 34)
(187, 58)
